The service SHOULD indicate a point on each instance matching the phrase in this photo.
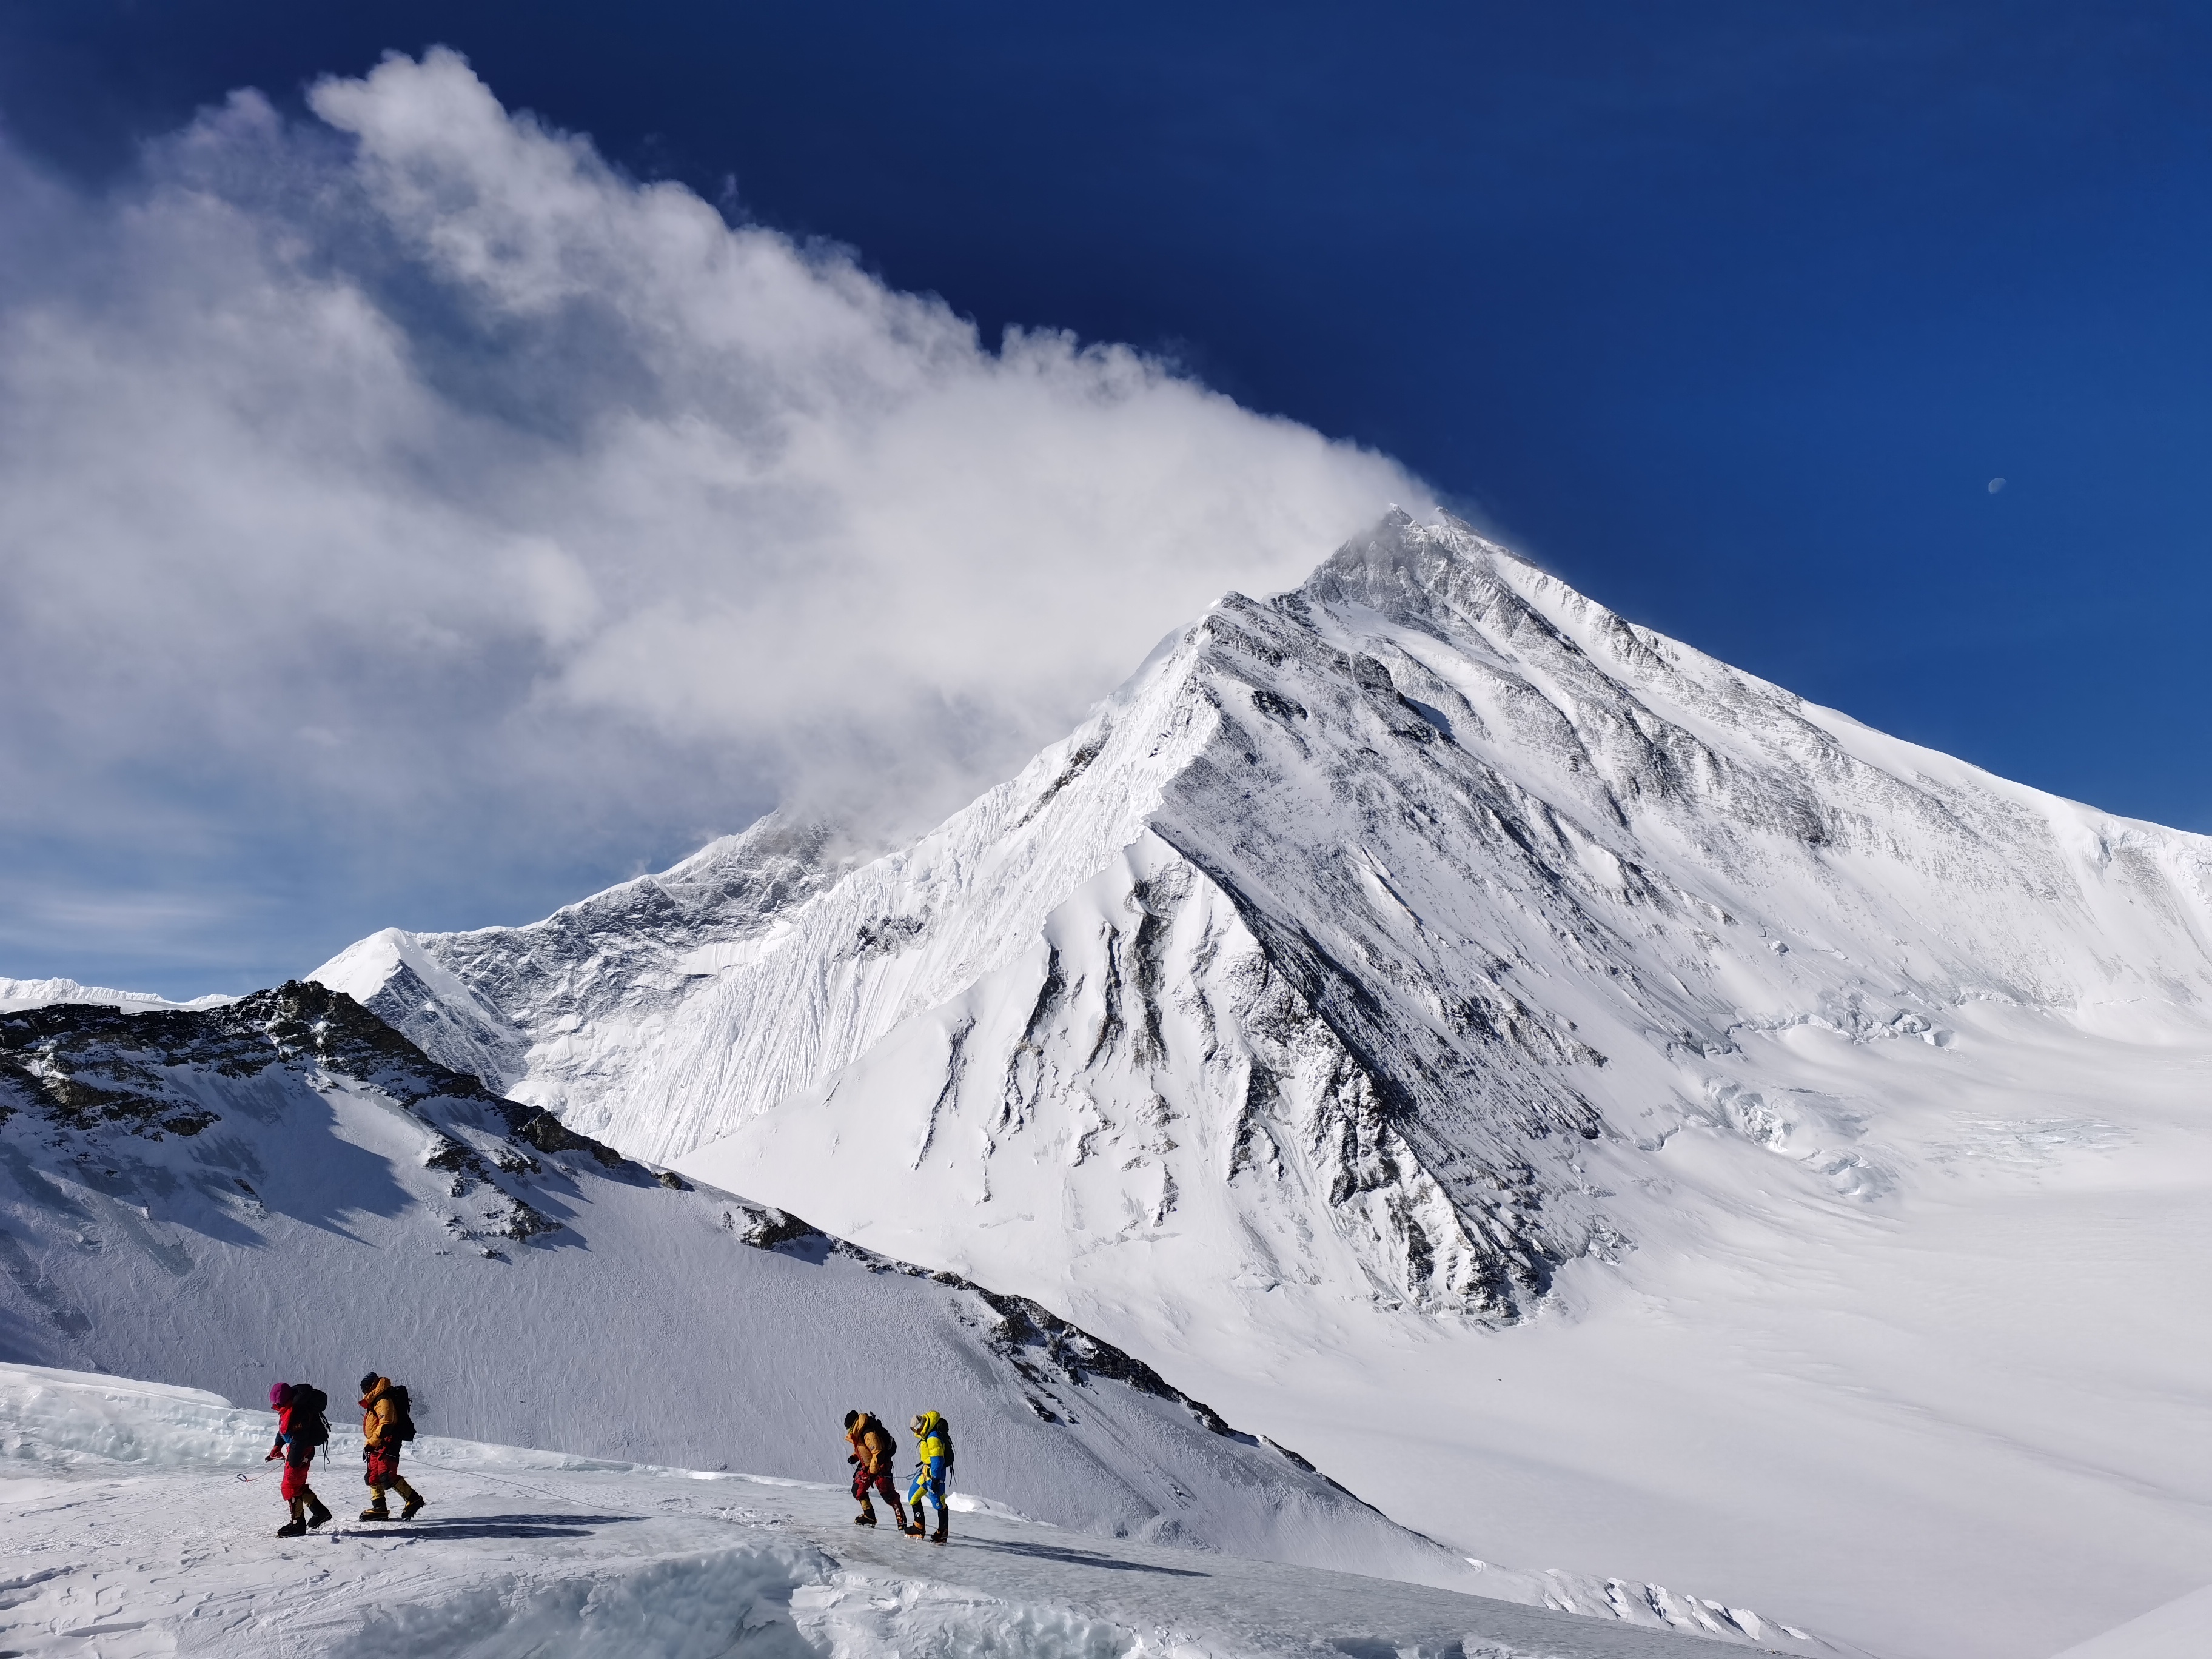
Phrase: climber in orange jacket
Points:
(387, 1420)
(872, 1458)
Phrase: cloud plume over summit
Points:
(404, 498)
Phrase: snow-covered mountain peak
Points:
(1405, 568)
(1425, 977)
(18, 993)
(629, 945)
(1367, 916)
(1446, 579)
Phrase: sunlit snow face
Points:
(415, 478)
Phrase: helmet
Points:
(280, 1395)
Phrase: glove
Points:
(852, 1457)
(272, 1458)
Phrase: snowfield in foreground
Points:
(138, 1520)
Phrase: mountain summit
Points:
(1598, 1105)
(1368, 919)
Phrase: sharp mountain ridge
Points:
(1378, 936)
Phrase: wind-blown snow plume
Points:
(413, 467)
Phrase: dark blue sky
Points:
(1728, 312)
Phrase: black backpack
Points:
(310, 1427)
(404, 1422)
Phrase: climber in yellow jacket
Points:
(933, 1447)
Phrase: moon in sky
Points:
(1995, 484)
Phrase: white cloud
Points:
(411, 487)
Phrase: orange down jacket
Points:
(379, 1414)
(873, 1445)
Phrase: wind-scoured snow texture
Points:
(285, 1189)
(1427, 948)
(136, 1519)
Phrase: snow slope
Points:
(1426, 977)
(135, 1520)
(284, 1189)
(627, 953)
(2179, 1630)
